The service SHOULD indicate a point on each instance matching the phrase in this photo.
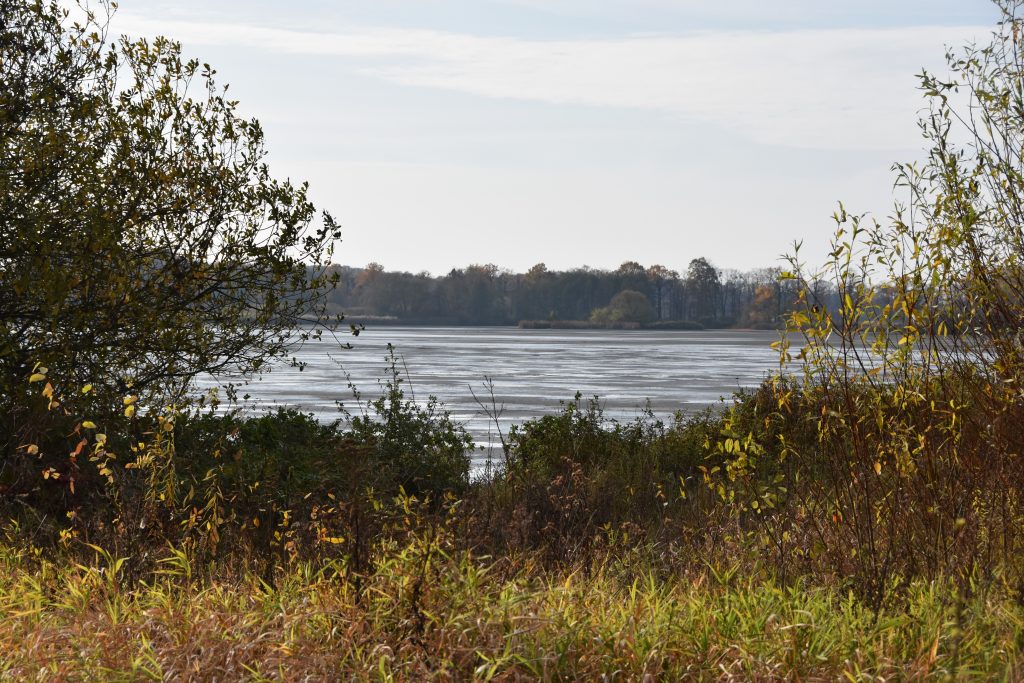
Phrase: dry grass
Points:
(423, 613)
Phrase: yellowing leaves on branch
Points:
(128, 149)
(144, 239)
(902, 421)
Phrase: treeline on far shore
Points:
(631, 296)
(608, 325)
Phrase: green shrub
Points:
(577, 477)
(419, 449)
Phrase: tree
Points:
(374, 288)
(142, 238)
(704, 288)
(661, 278)
(534, 297)
(626, 306)
(763, 310)
(632, 275)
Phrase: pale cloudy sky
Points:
(578, 132)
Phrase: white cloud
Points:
(759, 12)
(826, 89)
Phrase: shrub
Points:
(419, 449)
(576, 477)
(627, 306)
(912, 385)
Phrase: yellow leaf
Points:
(48, 390)
(36, 377)
(129, 411)
(878, 467)
(128, 400)
(101, 439)
(89, 424)
(87, 388)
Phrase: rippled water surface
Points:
(532, 370)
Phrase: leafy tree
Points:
(534, 296)
(538, 271)
(632, 275)
(704, 287)
(484, 295)
(142, 237)
(661, 279)
(630, 268)
(626, 306)
(763, 310)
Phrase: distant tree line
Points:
(488, 295)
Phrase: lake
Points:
(532, 371)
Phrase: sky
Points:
(443, 133)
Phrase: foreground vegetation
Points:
(425, 611)
(596, 549)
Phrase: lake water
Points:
(532, 371)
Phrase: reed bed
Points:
(421, 614)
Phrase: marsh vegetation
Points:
(858, 514)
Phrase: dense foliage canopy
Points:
(142, 237)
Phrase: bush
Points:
(627, 306)
(576, 477)
(910, 389)
(417, 448)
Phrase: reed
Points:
(427, 612)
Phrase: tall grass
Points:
(428, 612)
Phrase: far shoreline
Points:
(660, 326)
